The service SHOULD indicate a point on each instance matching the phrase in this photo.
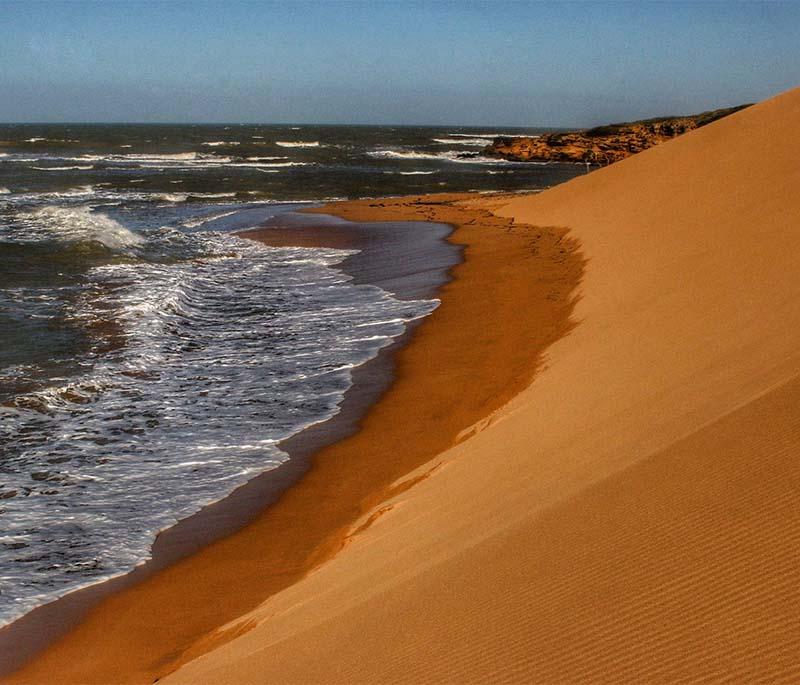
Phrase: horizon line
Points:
(261, 123)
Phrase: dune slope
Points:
(632, 515)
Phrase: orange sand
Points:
(630, 515)
(479, 348)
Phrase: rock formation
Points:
(603, 144)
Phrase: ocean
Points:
(151, 360)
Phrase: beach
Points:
(344, 488)
(584, 467)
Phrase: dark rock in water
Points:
(602, 144)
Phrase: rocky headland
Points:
(601, 145)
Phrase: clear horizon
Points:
(412, 64)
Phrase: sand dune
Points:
(632, 515)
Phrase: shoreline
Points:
(33, 632)
(508, 301)
(630, 516)
(585, 469)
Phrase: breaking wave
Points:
(284, 143)
(74, 225)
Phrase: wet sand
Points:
(631, 515)
(412, 261)
(585, 470)
(148, 628)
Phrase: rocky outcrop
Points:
(603, 144)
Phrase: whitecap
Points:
(446, 156)
(63, 168)
(411, 173)
(171, 197)
(264, 165)
(491, 136)
(286, 143)
(200, 220)
(402, 154)
(213, 195)
(482, 142)
(78, 224)
(183, 156)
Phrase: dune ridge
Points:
(631, 515)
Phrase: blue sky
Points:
(512, 63)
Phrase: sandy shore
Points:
(476, 342)
(411, 260)
(601, 427)
(631, 516)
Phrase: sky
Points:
(389, 62)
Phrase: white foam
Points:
(71, 192)
(401, 154)
(482, 142)
(285, 143)
(218, 143)
(490, 136)
(182, 156)
(411, 173)
(158, 161)
(78, 224)
(265, 165)
(262, 342)
(63, 168)
(446, 156)
(200, 220)
(172, 197)
(80, 158)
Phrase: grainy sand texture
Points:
(633, 514)
(507, 302)
(587, 470)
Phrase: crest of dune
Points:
(632, 515)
